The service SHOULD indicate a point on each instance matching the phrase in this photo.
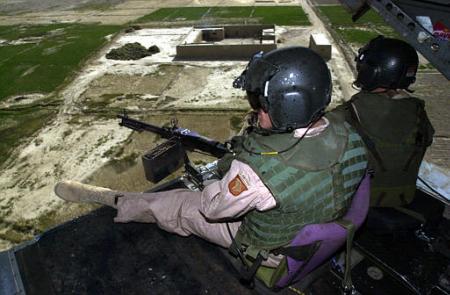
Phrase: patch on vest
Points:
(237, 186)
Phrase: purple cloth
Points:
(331, 235)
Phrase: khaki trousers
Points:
(176, 211)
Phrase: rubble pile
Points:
(131, 51)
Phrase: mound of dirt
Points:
(131, 51)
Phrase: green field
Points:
(360, 32)
(45, 57)
(340, 17)
(40, 66)
(278, 15)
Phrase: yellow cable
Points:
(269, 153)
(296, 291)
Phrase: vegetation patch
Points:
(426, 66)
(38, 59)
(360, 32)
(21, 124)
(279, 15)
(236, 123)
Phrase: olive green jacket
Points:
(397, 132)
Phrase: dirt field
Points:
(84, 141)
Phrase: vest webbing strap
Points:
(369, 143)
(350, 227)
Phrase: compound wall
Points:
(194, 48)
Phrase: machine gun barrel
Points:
(141, 126)
(189, 139)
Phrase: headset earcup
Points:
(408, 77)
(367, 76)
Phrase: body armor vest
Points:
(312, 183)
(399, 132)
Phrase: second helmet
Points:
(386, 63)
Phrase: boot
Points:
(77, 192)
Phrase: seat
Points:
(331, 236)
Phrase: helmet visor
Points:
(256, 74)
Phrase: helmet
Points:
(292, 84)
(386, 63)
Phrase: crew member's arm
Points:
(238, 192)
(428, 128)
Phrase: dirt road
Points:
(103, 11)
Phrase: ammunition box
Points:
(163, 160)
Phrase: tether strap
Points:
(347, 282)
(303, 252)
(247, 273)
(369, 143)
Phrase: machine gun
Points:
(170, 155)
